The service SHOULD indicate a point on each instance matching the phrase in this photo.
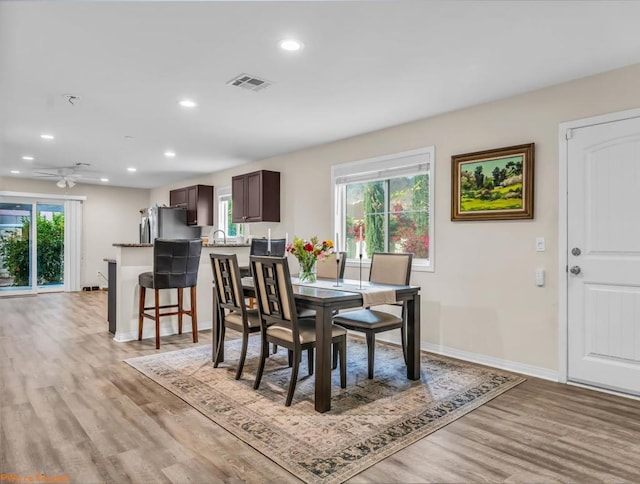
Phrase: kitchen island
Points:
(133, 259)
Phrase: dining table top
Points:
(326, 292)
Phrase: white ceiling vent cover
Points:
(250, 83)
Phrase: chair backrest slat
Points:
(176, 262)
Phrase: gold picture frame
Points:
(493, 184)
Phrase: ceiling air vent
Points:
(251, 83)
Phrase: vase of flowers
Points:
(308, 253)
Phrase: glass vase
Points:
(308, 271)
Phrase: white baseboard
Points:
(603, 390)
(514, 366)
(166, 329)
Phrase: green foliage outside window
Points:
(397, 223)
(233, 228)
(15, 252)
(374, 231)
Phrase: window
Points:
(224, 214)
(386, 205)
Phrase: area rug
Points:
(368, 421)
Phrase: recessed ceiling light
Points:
(104, 180)
(15, 172)
(47, 136)
(291, 45)
(170, 154)
(131, 168)
(187, 103)
(28, 158)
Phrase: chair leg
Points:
(157, 317)
(180, 309)
(143, 293)
(310, 359)
(275, 348)
(264, 351)
(343, 362)
(294, 378)
(243, 355)
(334, 355)
(371, 349)
(218, 359)
(194, 315)
(290, 358)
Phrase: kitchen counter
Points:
(132, 260)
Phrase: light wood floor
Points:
(70, 406)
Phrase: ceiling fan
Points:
(65, 176)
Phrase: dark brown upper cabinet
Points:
(256, 197)
(198, 200)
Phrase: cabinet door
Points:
(253, 209)
(192, 205)
(205, 205)
(178, 198)
(238, 197)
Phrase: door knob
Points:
(575, 270)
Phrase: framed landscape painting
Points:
(493, 184)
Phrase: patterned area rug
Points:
(368, 421)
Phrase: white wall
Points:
(481, 299)
(110, 214)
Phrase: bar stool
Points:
(175, 266)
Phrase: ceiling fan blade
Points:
(42, 173)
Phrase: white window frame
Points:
(406, 163)
(223, 194)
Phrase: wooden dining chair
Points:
(233, 311)
(386, 268)
(280, 324)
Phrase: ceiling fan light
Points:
(71, 183)
(61, 183)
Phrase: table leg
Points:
(413, 338)
(323, 360)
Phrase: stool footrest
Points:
(162, 307)
(174, 313)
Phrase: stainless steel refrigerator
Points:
(165, 223)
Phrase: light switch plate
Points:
(540, 277)
(540, 246)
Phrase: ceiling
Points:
(364, 66)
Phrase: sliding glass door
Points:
(31, 254)
(50, 246)
(16, 249)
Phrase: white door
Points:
(604, 255)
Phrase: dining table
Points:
(325, 297)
